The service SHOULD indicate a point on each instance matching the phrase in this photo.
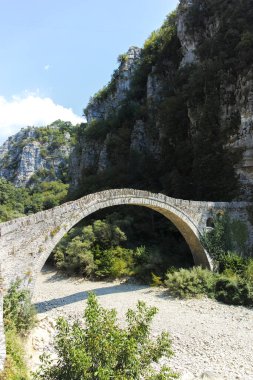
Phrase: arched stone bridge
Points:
(26, 243)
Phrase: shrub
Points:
(15, 367)
(234, 291)
(19, 318)
(233, 262)
(248, 271)
(156, 280)
(94, 251)
(115, 262)
(102, 350)
(228, 287)
(191, 283)
(19, 314)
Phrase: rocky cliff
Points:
(106, 101)
(177, 115)
(37, 154)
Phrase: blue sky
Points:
(55, 54)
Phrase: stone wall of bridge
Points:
(26, 243)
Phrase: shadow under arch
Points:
(157, 202)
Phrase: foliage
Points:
(248, 271)
(12, 201)
(15, 367)
(19, 314)
(226, 236)
(156, 280)
(46, 195)
(233, 284)
(114, 247)
(233, 263)
(161, 45)
(227, 287)
(190, 283)
(94, 251)
(19, 318)
(54, 135)
(234, 290)
(103, 350)
(15, 202)
(96, 130)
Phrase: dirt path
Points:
(206, 335)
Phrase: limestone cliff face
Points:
(84, 159)
(188, 42)
(199, 25)
(244, 138)
(42, 152)
(236, 96)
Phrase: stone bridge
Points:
(26, 243)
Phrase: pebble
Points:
(211, 341)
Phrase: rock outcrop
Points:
(42, 152)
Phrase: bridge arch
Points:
(27, 242)
(157, 202)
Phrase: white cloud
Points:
(47, 67)
(31, 110)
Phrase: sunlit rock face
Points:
(29, 153)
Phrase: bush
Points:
(113, 263)
(102, 350)
(156, 280)
(227, 287)
(230, 261)
(19, 314)
(19, 318)
(191, 283)
(15, 367)
(234, 291)
(248, 271)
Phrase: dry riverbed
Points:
(206, 335)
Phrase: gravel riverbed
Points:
(206, 335)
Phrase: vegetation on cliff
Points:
(38, 154)
(185, 117)
(16, 202)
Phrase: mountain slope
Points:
(177, 115)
